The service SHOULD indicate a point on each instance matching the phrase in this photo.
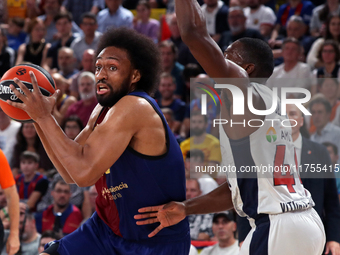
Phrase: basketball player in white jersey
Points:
(279, 209)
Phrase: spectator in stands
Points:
(87, 65)
(62, 217)
(237, 26)
(144, 24)
(216, 13)
(190, 71)
(170, 119)
(296, 28)
(63, 100)
(8, 131)
(325, 131)
(88, 101)
(320, 15)
(323, 190)
(35, 51)
(194, 168)
(30, 238)
(7, 54)
(332, 33)
(79, 197)
(224, 228)
(28, 140)
(213, 110)
(79, 7)
(46, 237)
(259, 17)
(15, 33)
(63, 23)
(31, 185)
(333, 153)
(200, 224)
(90, 39)
(292, 73)
(67, 62)
(93, 195)
(166, 88)
(329, 55)
(72, 126)
(184, 55)
(52, 9)
(293, 7)
(329, 89)
(3, 200)
(114, 15)
(199, 139)
(170, 65)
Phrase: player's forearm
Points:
(217, 200)
(64, 150)
(13, 208)
(60, 168)
(190, 19)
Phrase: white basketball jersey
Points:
(269, 147)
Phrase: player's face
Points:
(113, 75)
(320, 116)
(61, 195)
(232, 54)
(294, 113)
(223, 229)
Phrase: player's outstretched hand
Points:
(167, 215)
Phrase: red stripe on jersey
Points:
(106, 207)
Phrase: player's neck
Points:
(226, 243)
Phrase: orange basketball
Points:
(45, 82)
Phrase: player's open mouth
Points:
(102, 89)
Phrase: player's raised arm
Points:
(192, 26)
(170, 214)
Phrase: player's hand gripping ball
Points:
(45, 82)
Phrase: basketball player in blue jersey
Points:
(127, 150)
(279, 209)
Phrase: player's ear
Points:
(249, 68)
(136, 76)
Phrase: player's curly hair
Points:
(142, 51)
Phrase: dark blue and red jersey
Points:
(70, 219)
(25, 189)
(135, 181)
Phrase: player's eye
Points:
(98, 68)
(113, 68)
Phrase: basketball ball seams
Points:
(43, 72)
